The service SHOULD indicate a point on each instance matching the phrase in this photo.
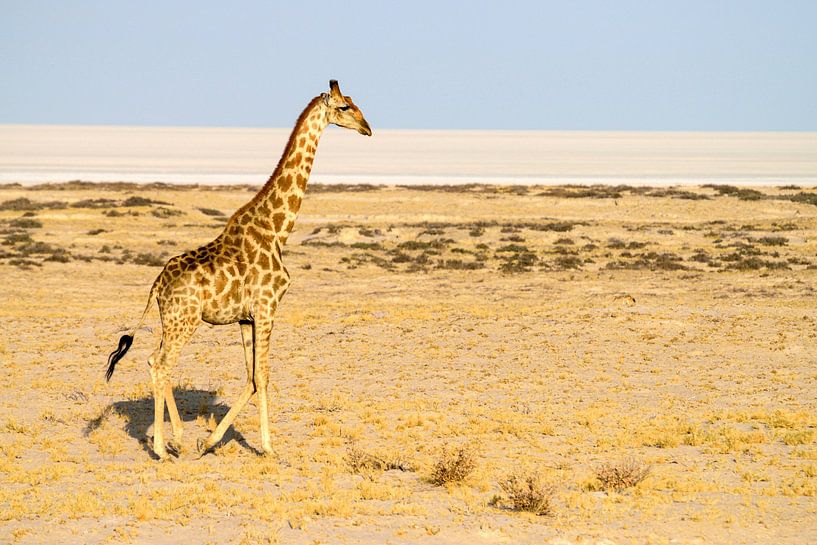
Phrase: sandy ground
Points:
(555, 332)
(37, 153)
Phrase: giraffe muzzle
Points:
(365, 129)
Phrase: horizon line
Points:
(414, 129)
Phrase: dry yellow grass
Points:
(393, 341)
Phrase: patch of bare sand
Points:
(551, 332)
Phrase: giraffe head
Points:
(343, 112)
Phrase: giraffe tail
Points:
(125, 341)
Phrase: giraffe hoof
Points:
(159, 452)
(267, 450)
(174, 448)
(203, 447)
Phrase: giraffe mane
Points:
(280, 166)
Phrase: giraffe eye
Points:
(344, 108)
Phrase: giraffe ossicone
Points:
(238, 277)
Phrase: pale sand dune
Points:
(233, 155)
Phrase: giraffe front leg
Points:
(263, 331)
(205, 445)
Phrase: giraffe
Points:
(238, 277)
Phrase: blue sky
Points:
(586, 65)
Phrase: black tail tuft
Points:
(124, 343)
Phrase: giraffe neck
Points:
(278, 202)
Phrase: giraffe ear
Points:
(334, 88)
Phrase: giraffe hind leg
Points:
(175, 420)
(161, 363)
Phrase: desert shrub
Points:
(517, 262)
(37, 247)
(513, 248)
(677, 194)
(366, 232)
(564, 250)
(556, 226)
(772, 241)
(149, 259)
(323, 243)
(420, 245)
(432, 231)
(622, 475)
(141, 201)
(360, 461)
(367, 245)
(340, 188)
(93, 203)
(24, 264)
(18, 204)
(807, 198)
(26, 223)
(665, 262)
(700, 256)
(528, 493)
(585, 192)
(568, 262)
(19, 237)
(60, 256)
(211, 212)
(23, 204)
(401, 257)
(163, 212)
(459, 264)
(753, 263)
(732, 191)
(454, 466)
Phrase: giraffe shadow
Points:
(192, 404)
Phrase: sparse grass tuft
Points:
(529, 493)
(454, 466)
